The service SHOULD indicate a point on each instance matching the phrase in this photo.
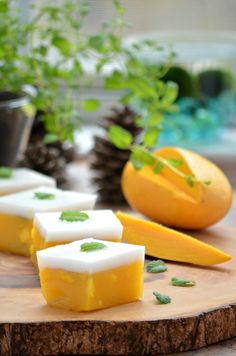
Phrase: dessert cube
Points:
(17, 213)
(78, 276)
(50, 229)
(23, 179)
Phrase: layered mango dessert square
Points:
(19, 179)
(52, 229)
(91, 274)
(17, 212)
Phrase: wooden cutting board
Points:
(197, 316)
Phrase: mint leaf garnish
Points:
(158, 167)
(5, 172)
(44, 196)
(182, 282)
(161, 298)
(190, 180)
(72, 216)
(92, 246)
(174, 162)
(157, 266)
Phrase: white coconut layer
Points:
(69, 257)
(102, 224)
(24, 204)
(22, 179)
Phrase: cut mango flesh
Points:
(15, 236)
(166, 243)
(84, 292)
(38, 242)
(168, 199)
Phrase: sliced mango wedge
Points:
(166, 243)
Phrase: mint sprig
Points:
(182, 282)
(161, 298)
(73, 215)
(92, 246)
(157, 266)
(141, 156)
(44, 196)
(5, 172)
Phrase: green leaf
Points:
(50, 138)
(90, 105)
(3, 6)
(44, 196)
(174, 162)
(96, 42)
(157, 266)
(120, 137)
(155, 119)
(161, 298)
(72, 216)
(136, 163)
(190, 180)
(5, 172)
(170, 94)
(62, 44)
(182, 282)
(158, 167)
(142, 155)
(92, 246)
(151, 137)
(120, 9)
(115, 81)
(207, 182)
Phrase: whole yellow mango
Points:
(167, 198)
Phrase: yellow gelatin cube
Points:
(49, 230)
(100, 279)
(38, 243)
(15, 236)
(21, 179)
(17, 213)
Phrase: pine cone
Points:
(45, 159)
(38, 132)
(108, 161)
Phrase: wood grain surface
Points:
(198, 316)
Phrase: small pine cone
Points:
(67, 150)
(108, 161)
(45, 159)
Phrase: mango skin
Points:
(166, 197)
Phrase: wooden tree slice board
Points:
(197, 316)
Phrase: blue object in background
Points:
(199, 121)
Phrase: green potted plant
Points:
(48, 53)
(16, 114)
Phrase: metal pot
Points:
(16, 117)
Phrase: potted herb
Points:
(48, 53)
(16, 114)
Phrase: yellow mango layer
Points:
(166, 243)
(85, 292)
(15, 234)
(38, 243)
